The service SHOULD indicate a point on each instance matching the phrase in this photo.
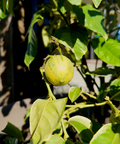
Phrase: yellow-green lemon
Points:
(59, 70)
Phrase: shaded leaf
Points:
(74, 40)
(107, 134)
(102, 71)
(108, 51)
(83, 126)
(103, 91)
(45, 116)
(32, 46)
(115, 89)
(96, 3)
(12, 130)
(10, 141)
(91, 18)
(74, 93)
(4, 5)
(96, 126)
(10, 7)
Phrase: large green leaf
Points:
(74, 93)
(76, 40)
(107, 134)
(108, 51)
(55, 139)
(83, 126)
(32, 46)
(96, 3)
(91, 18)
(102, 71)
(12, 130)
(45, 116)
(115, 89)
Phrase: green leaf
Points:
(102, 71)
(55, 139)
(115, 89)
(68, 142)
(74, 93)
(32, 46)
(12, 130)
(96, 3)
(83, 126)
(10, 7)
(108, 51)
(2, 15)
(75, 2)
(10, 141)
(107, 134)
(91, 18)
(4, 5)
(75, 40)
(45, 116)
(96, 126)
(28, 114)
(103, 91)
(45, 37)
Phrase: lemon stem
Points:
(64, 130)
(50, 94)
(59, 49)
(91, 96)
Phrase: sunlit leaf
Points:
(75, 2)
(91, 18)
(75, 40)
(45, 116)
(108, 51)
(28, 114)
(83, 126)
(96, 3)
(74, 93)
(107, 134)
(55, 139)
(45, 37)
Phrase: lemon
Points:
(59, 70)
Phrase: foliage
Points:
(74, 26)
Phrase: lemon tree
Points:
(74, 27)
